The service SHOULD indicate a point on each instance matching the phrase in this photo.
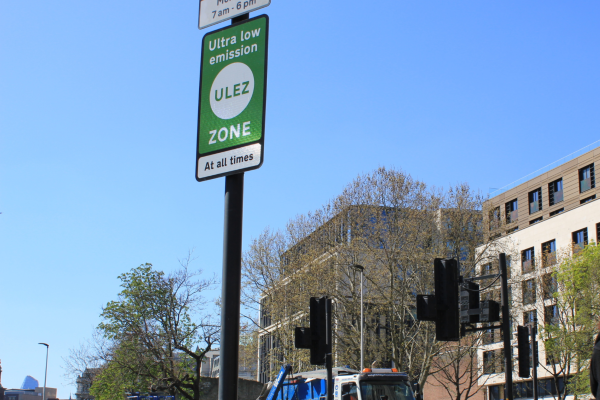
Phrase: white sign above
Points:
(214, 11)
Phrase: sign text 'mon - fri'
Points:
(232, 99)
(214, 11)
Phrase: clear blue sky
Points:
(98, 108)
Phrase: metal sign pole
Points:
(506, 330)
(535, 357)
(232, 277)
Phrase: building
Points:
(330, 246)
(1, 387)
(210, 364)
(84, 382)
(547, 212)
(30, 394)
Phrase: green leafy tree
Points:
(570, 322)
(153, 337)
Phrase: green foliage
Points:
(151, 335)
(569, 336)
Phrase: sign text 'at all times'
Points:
(232, 99)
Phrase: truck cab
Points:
(373, 384)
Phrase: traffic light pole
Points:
(535, 358)
(328, 355)
(506, 330)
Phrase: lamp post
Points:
(46, 372)
(362, 358)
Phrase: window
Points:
(580, 240)
(555, 192)
(516, 228)
(491, 335)
(512, 213)
(494, 218)
(529, 317)
(527, 260)
(349, 391)
(556, 212)
(597, 232)
(587, 199)
(535, 221)
(549, 253)
(535, 200)
(496, 392)
(491, 362)
(586, 178)
(551, 315)
(550, 286)
(528, 291)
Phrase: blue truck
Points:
(348, 384)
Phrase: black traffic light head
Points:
(489, 311)
(319, 320)
(523, 347)
(447, 327)
(426, 310)
(469, 300)
(303, 338)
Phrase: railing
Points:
(534, 207)
(558, 196)
(585, 185)
(513, 216)
(577, 247)
(495, 224)
(547, 168)
(527, 266)
(550, 259)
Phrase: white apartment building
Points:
(540, 217)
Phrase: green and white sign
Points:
(233, 88)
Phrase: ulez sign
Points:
(214, 11)
(233, 88)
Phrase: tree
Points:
(570, 318)
(149, 339)
(391, 224)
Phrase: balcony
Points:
(549, 259)
(558, 196)
(495, 224)
(527, 266)
(585, 185)
(534, 207)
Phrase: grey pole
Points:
(362, 320)
(46, 372)
(535, 357)
(230, 297)
(362, 324)
(506, 333)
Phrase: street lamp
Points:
(362, 358)
(45, 373)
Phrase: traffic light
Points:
(489, 311)
(315, 337)
(426, 310)
(447, 327)
(523, 347)
(469, 300)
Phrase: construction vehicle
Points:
(348, 384)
